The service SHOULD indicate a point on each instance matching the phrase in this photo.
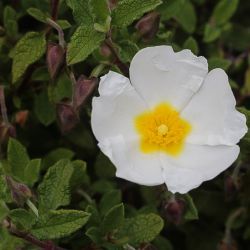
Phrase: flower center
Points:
(162, 129)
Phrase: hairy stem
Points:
(32, 207)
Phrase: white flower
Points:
(172, 122)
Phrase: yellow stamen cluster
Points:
(162, 129)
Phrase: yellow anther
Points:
(162, 129)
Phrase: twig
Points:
(31, 239)
(54, 8)
(122, 66)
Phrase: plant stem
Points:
(3, 106)
(32, 207)
(122, 66)
(54, 8)
(85, 195)
(53, 24)
(31, 239)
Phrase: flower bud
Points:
(105, 50)
(148, 25)
(67, 116)
(174, 210)
(112, 4)
(6, 131)
(83, 89)
(21, 117)
(19, 191)
(55, 58)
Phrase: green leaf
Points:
(216, 62)
(64, 24)
(10, 21)
(55, 155)
(109, 200)
(79, 174)
(142, 228)
(3, 210)
(191, 44)
(38, 14)
(128, 50)
(187, 17)
(224, 10)
(246, 87)
(17, 158)
(99, 10)
(129, 10)
(28, 50)
(32, 171)
(113, 219)
(22, 217)
(211, 33)
(170, 8)
(94, 233)
(58, 224)
(191, 211)
(44, 109)
(81, 12)
(104, 167)
(54, 191)
(4, 190)
(83, 42)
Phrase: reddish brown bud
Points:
(21, 117)
(174, 210)
(83, 89)
(6, 131)
(224, 245)
(19, 191)
(105, 50)
(112, 4)
(55, 58)
(67, 116)
(148, 25)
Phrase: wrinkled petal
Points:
(131, 163)
(161, 75)
(114, 110)
(212, 113)
(196, 164)
(112, 122)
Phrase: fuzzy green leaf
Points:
(17, 158)
(113, 219)
(54, 191)
(32, 171)
(128, 11)
(28, 50)
(58, 224)
(83, 42)
(22, 217)
(44, 109)
(191, 44)
(142, 228)
(191, 211)
(109, 200)
(38, 14)
(224, 10)
(211, 33)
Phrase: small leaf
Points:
(186, 16)
(113, 219)
(58, 224)
(44, 109)
(28, 50)
(94, 233)
(216, 62)
(99, 10)
(32, 171)
(54, 191)
(4, 211)
(10, 21)
(81, 12)
(83, 42)
(79, 173)
(109, 200)
(17, 158)
(38, 14)
(211, 33)
(22, 217)
(128, 11)
(224, 10)
(128, 50)
(191, 210)
(142, 228)
(191, 44)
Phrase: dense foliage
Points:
(57, 191)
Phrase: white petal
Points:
(114, 110)
(131, 164)
(161, 75)
(196, 164)
(212, 113)
(112, 121)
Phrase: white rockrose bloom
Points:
(172, 122)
